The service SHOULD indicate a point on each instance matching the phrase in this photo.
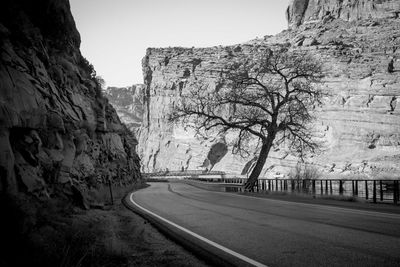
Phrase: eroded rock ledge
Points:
(128, 102)
(309, 11)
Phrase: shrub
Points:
(303, 174)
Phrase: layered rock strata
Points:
(57, 132)
(310, 11)
(359, 121)
(128, 102)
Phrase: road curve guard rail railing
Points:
(387, 191)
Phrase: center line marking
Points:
(212, 243)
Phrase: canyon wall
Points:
(58, 134)
(128, 102)
(359, 121)
(310, 11)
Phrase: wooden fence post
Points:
(322, 188)
(313, 186)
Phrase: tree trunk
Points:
(266, 147)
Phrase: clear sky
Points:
(116, 33)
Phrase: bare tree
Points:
(268, 96)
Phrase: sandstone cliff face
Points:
(128, 102)
(309, 11)
(57, 132)
(359, 122)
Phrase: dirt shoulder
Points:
(136, 241)
(58, 233)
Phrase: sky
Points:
(116, 33)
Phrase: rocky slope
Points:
(128, 102)
(58, 134)
(359, 122)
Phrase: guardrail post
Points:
(366, 189)
(395, 191)
(352, 187)
(340, 187)
(374, 192)
(281, 185)
(276, 184)
(269, 185)
(381, 189)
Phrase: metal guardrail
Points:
(374, 190)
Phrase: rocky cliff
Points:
(311, 11)
(58, 134)
(128, 102)
(359, 122)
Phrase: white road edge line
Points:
(227, 250)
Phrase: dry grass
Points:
(57, 233)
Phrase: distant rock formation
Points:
(360, 120)
(57, 132)
(128, 102)
(308, 11)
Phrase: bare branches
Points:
(269, 96)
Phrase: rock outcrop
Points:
(57, 132)
(128, 102)
(359, 122)
(310, 11)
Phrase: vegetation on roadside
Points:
(55, 233)
(303, 174)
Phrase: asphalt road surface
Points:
(278, 233)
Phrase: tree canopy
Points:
(267, 97)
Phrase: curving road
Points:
(274, 232)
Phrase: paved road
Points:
(279, 233)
